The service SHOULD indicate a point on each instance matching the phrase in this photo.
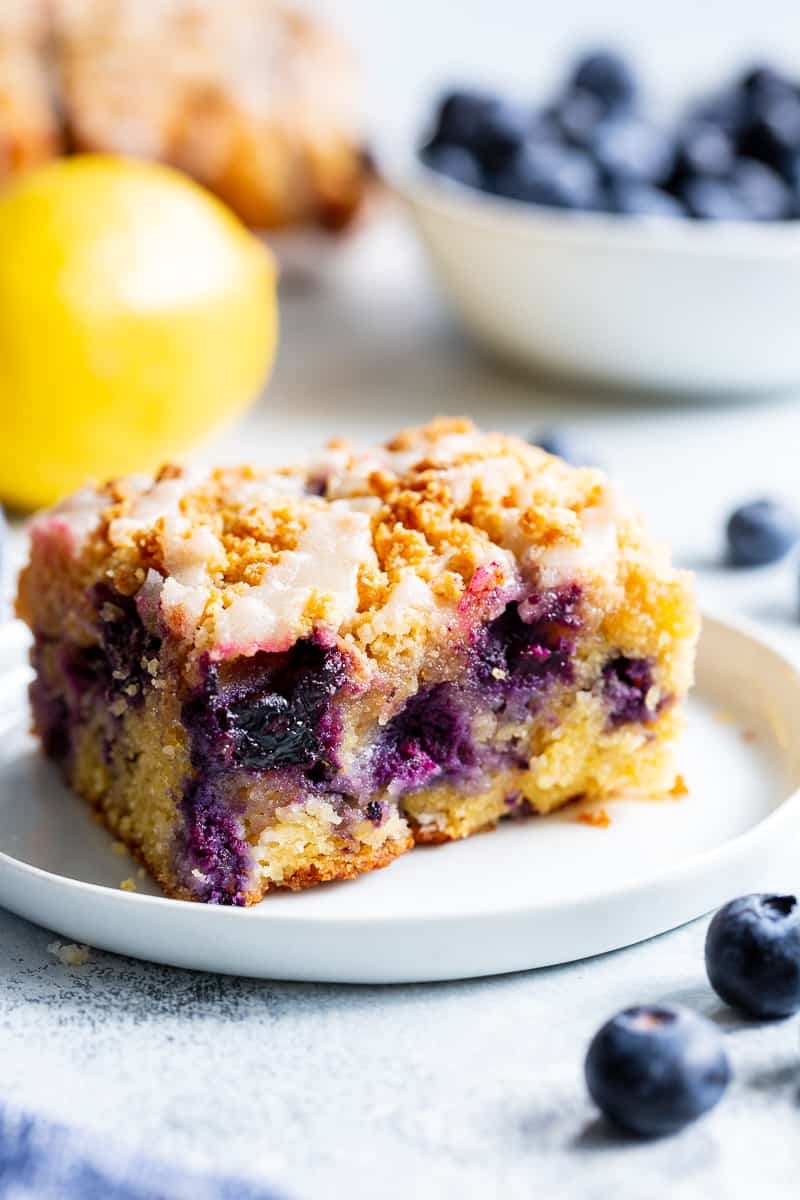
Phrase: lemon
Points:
(136, 314)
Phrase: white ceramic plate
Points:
(545, 891)
(675, 305)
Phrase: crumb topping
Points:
(368, 545)
(71, 955)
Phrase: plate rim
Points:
(785, 811)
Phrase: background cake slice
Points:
(278, 677)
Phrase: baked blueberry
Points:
(456, 162)
(753, 955)
(651, 1070)
(760, 532)
(606, 75)
(550, 174)
(630, 148)
(633, 198)
(627, 686)
(561, 443)
(712, 199)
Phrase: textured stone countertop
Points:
(464, 1090)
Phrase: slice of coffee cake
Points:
(274, 678)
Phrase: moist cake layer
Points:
(273, 678)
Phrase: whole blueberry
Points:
(607, 75)
(550, 174)
(460, 116)
(762, 83)
(728, 109)
(712, 199)
(651, 1070)
(764, 194)
(578, 116)
(774, 131)
(489, 127)
(637, 199)
(561, 443)
(704, 148)
(502, 130)
(630, 148)
(753, 955)
(455, 162)
(760, 532)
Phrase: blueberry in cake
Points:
(265, 678)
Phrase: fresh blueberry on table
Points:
(454, 162)
(561, 443)
(651, 1070)
(760, 532)
(753, 955)
(550, 174)
(607, 76)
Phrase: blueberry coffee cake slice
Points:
(265, 678)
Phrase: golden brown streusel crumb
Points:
(71, 955)
(596, 817)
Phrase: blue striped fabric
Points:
(40, 1160)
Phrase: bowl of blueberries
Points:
(586, 238)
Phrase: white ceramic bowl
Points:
(668, 304)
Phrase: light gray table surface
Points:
(470, 1089)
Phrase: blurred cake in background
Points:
(252, 99)
(30, 130)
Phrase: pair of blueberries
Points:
(735, 155)
(653, 1069)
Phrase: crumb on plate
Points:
(596, 817)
